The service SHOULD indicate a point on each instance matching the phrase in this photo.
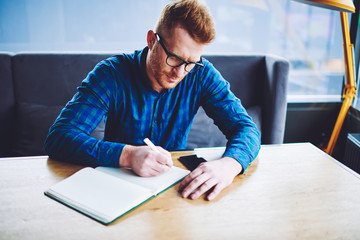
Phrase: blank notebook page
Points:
(99, 194)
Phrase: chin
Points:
(170, 86)
(168, 83)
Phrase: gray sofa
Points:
(36, 86)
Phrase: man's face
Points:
(178, 42)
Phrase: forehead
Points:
(180, 43)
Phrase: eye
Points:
(189, 67)
(174, 61)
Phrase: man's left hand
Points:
(213, 176)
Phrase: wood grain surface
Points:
(291, 191)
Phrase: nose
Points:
(178, 71)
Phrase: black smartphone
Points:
(191, 162)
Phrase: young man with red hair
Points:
(156, 93)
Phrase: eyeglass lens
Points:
(174, 61)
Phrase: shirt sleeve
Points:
(231, 117)
(69, 138)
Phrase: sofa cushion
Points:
(31, 128)
(204, 133)
(98, 133)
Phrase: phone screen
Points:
(191, 162)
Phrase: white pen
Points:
(151, 145)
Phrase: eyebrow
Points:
(180, 56)
(189, 60)
(161, 41)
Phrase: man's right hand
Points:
(144, 161)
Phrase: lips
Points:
(172, 79)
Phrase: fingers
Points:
(154, 171)
(197, 172)
(160, 168)
(210, 177)
(165, 157)
(217, 189)
(191, 186)
(205, 187)
(150, 168)
(198, 183)
(158, 162)
(162, 156)
(199, 186)
(146, 162)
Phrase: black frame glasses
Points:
(175, 61)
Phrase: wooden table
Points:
(291, 191)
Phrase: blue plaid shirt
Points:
(118, 90)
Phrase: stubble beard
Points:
(159, 71)
(162, 76)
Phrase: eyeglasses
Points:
(175, 61)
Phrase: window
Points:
(356, 36)
(309, 37)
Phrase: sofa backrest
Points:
(38, 85)
(43, 84)
(7, 103)
(260, 81)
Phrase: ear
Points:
(151, 39)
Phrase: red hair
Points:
(192, 15)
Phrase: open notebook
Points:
(106, 194)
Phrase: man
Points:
(156, 93)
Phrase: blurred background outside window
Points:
(310, 38)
